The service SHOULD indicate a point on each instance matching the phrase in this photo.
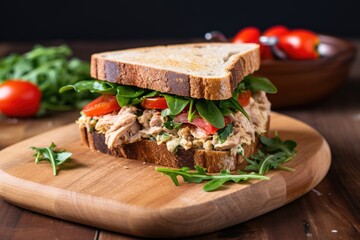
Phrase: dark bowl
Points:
(306, 81)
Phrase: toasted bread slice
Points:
(200, 70)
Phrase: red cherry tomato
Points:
(247, 35)
(265, 52)
(102, 105)
(276, 31)
(300, 44)
(244, 98)
(19, 98)
(154, 103)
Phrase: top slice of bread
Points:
(200, 70)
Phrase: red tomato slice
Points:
(200, 122)
(154, 103)
(300, 44)
(197, 121)
(247, 35)
(244, 98)
(19, 98)
(102, 105)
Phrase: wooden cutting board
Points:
(130, 197)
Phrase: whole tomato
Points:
(274, 31)
(247, 35)
(252, 35)
(19, 98)
(300, 44)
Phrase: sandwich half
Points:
(177, 105)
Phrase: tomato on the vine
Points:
(102, 105)
(300, 44)
(154, 103)
(19, 98)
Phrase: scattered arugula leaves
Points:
(49, 68)
(215, 181)
(273, 153)
(55, 157)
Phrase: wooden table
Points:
(330, 211)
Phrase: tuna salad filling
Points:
(132, 123)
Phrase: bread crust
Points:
(149, 151)
(172, 82)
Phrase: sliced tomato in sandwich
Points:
(199, 122)
(154, 103)
(244, 98)
(102, 105)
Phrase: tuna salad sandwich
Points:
(177, 105)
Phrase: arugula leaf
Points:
(276, 144)
(272, 155)
(199, 175)
(225, 132)
(176, 104)
(139, 99)
(191, 113)
(166, 112)
(92, 86)
(256, 84)
(55, 157)
(129, 91)
(172, 125)
(210, 112)
(232, 105)
(123, 101)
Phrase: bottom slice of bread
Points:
(149, 151)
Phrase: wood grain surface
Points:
(329, 211)
(130, 197)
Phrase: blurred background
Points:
(95, 26)
(110, 19)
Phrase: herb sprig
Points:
(215, 181)
(55, 157)
(273, 153)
